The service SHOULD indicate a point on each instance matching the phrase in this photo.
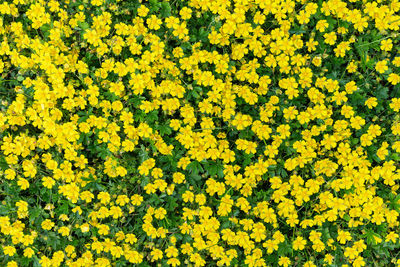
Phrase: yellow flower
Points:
(47, 224)
(97, 2)
(173, 262)
(395, 104)
(330, 38)
(270, 245)
(63, 230)
(160, 213)
(136, 199)
(58, 257)
(28, 252)
(371, 102)
(284, 261)
(130, 238)
(104, 197)
(343, 237)
(186, 13)
(156, 254)
(317, 61)
(133, 256)
(23, 183)
(392, 236)
(153, 22)
(359, 262)
(10, 174)
(328, 258)
(352, 67)
(322, 25)
(12, 264)
(197, 259)
(48, 182)
(299, 243)
(9, 250)
(381, 66)
(225, 205)
(142, 11)
(309, 264)
(386, 45)
(201, 199)
(85, 228)
(394, 78)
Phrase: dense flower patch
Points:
(199, 133)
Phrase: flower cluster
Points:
(199, 133)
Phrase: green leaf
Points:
(164, 130)
(382, 93)
(194, 167)
(83, 25)
(34, 213)
(3, 163)
(194, 179)
(63, 209)
(165, 9)
(214, 168)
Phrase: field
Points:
(199, 133)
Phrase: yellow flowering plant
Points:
(199, 133)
